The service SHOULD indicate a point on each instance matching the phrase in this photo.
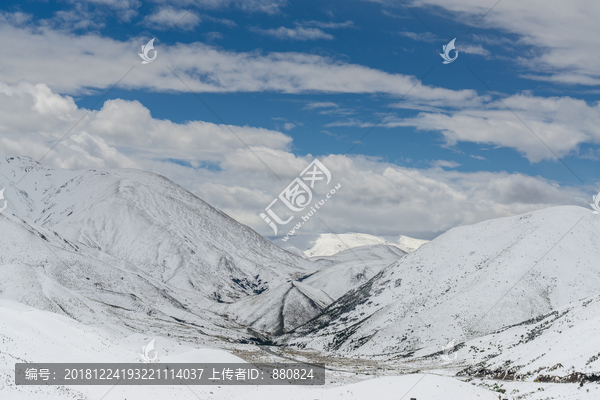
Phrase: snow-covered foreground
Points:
(31, 335)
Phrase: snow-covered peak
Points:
(328, 244)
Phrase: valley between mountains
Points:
(94, 264)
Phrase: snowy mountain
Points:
(468, 282)
(152, 223)
(328, 244)
(129, 249)
(349, 269)
(281, 309)
(109, 259)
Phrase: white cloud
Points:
(561, 123)
(473, 49)
(563, 33)
(376, 197)
(320, 104)
(307, 30)
(259, 6)
(86, 62)
(34, 114)
(168, 17)
(297, 33)
(329, 25)
(445, 164)
(421, 37)
(211, 36)
(227, 22)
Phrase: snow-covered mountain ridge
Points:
(130, 250)
(152, 223)
(468, 282)
(133, 252)
(329, 244)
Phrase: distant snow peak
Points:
(329, 244)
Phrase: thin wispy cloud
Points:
(329, 25)
(421, 37)
(124, 9)
(445, 164)
(250, 6)
(296, 33)
(320, 104)
(561, 56)
(473, 49)
(167, 18)
(481, 158)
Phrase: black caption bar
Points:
(168, 374)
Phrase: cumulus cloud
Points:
(375, 197)
(34, 114)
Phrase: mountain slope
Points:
(148, 221)
(280, 309)
(561, 346)
(349, 269)
(45, 271)
(466, 283)
(130, 250)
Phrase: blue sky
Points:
(297, 80)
